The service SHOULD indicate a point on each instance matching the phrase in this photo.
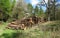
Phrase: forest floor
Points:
(34, 32)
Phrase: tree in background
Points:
(30, 8)
(39, 11)
(5, 7)
(36, 10)
(19, 9)
(51, 8)
(12, 9)
(57, 12)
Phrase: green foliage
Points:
(19, 10)
(39, 12)
(30, 8)
(6, 7)
(36, 10)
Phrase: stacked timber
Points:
(24, 23)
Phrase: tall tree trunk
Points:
(48, 10)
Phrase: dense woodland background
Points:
(12, 9)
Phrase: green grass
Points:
(33, 32)
(23, 34)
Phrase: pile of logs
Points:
(24, 23)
